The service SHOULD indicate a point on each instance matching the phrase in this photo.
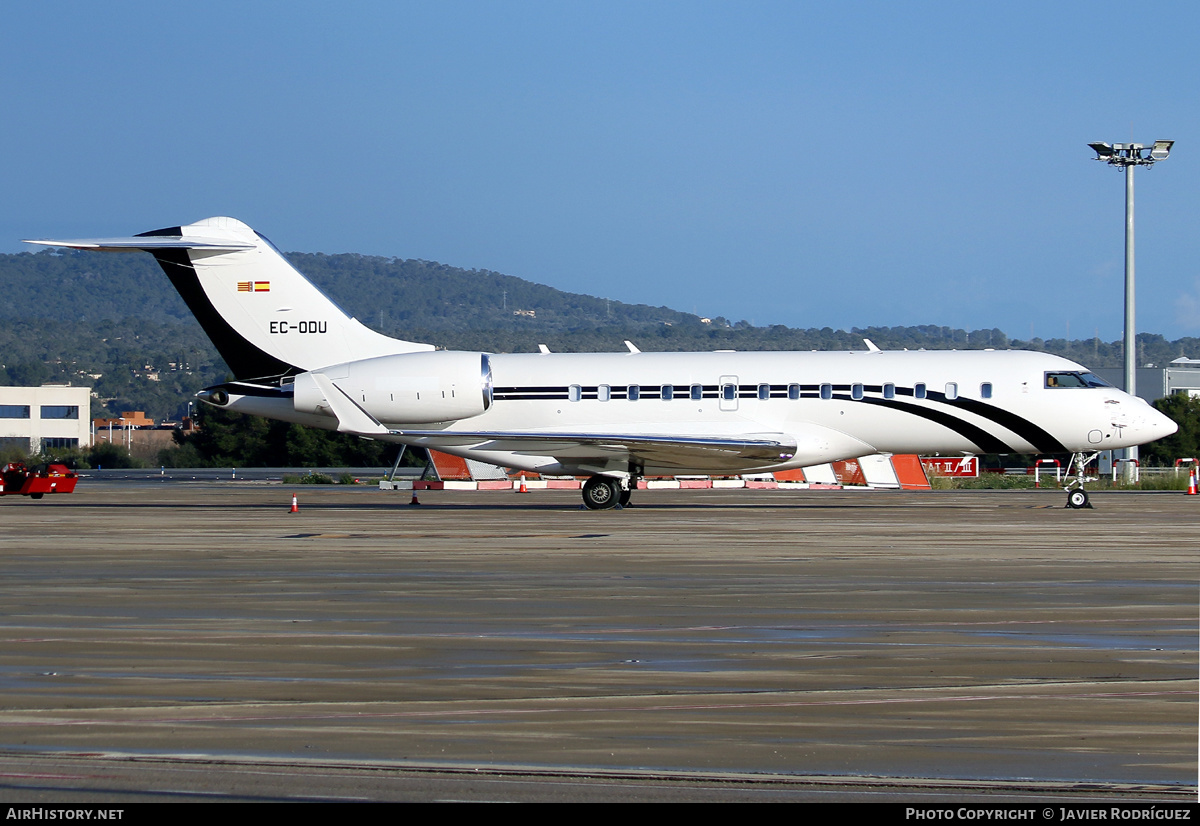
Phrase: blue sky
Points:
(808, 164)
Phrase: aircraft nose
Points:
(1160, 425)
(1138, 423)
(1150, 425)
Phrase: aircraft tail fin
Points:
(263, 316)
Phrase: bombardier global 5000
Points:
(615, 417)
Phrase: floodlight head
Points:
(1102, 150)
(1161, 150)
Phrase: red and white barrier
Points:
(1137, 468)
(879, 471)
(1037, 479)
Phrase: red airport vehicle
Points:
(17, 479)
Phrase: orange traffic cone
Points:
(523, 489)
(414, 499)
(1191, 491)
(295, 505)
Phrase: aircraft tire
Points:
(601, 493)
(1077, 499)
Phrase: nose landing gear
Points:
(1077, 497)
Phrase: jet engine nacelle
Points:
(410, 388)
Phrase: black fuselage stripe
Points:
(518, 397)
(1027, 430)
(244, 359)
(986, 442)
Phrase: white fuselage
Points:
(829, 405)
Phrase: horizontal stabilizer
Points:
(147, 244)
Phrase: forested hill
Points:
(114, 322)
(388, 293)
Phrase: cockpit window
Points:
(1076, 378)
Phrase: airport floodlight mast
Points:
(1128, 156)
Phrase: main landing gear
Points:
(605, 492)
(1077, 497)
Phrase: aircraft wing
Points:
(659, 451)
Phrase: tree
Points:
(107, 454)
(28, 374)
(227, 439)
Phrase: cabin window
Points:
(826, 391)
(856, 391)
(793, 391)
(764, 392)
(985, 390)
(697, 392)
(919, 390)
(728, 392)
(889, 391)
(604, 392)
(575, 393)
(635, 392)
(1076, 378)
(668, 392)
(951, 390)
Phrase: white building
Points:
(1183, 376)
(49, 416)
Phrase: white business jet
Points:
(615, 417)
